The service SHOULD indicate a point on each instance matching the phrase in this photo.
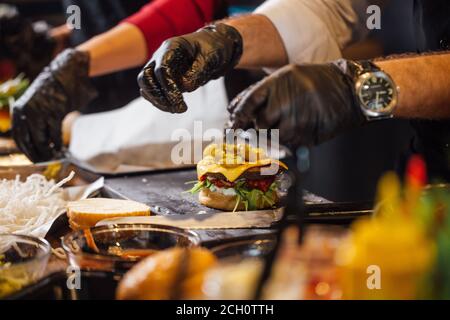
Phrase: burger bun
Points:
(220, 201)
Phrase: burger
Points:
(10, 91)
(237, 178)
(175, 273)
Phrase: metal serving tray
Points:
(165, 192)
(7, 145)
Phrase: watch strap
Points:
(358, 68)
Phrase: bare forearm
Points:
(263, 46)
(120, 48)
(61, 35)
(424, 83)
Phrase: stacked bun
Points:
(87, 213)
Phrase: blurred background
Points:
(348, 167)
(48, 10)
(344, 169)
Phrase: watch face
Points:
(377, 92)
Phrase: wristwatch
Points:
(375, 90)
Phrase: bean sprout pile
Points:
(26, 206)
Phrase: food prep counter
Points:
(164, 191)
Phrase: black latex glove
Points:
(183, 64)
(62, 87)
(308, 104)
(27, 45)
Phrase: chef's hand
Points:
(308, 104)
(183, 64)
(37, 116)
(27, 45)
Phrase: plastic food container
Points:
(237, 274)
(23, 260)
(116, 248)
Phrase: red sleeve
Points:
(163, 19)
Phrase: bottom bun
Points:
(220, 201)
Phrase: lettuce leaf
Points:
(11, 90)
(199, 186)
(250, 198)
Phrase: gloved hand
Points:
(37, 116)
(28, 46)
(308, 104)
(183, 64)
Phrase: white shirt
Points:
(316, 31)
(140, 123)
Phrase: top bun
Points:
(86, 213)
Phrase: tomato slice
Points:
(260, 184)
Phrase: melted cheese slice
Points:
(232, 171)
